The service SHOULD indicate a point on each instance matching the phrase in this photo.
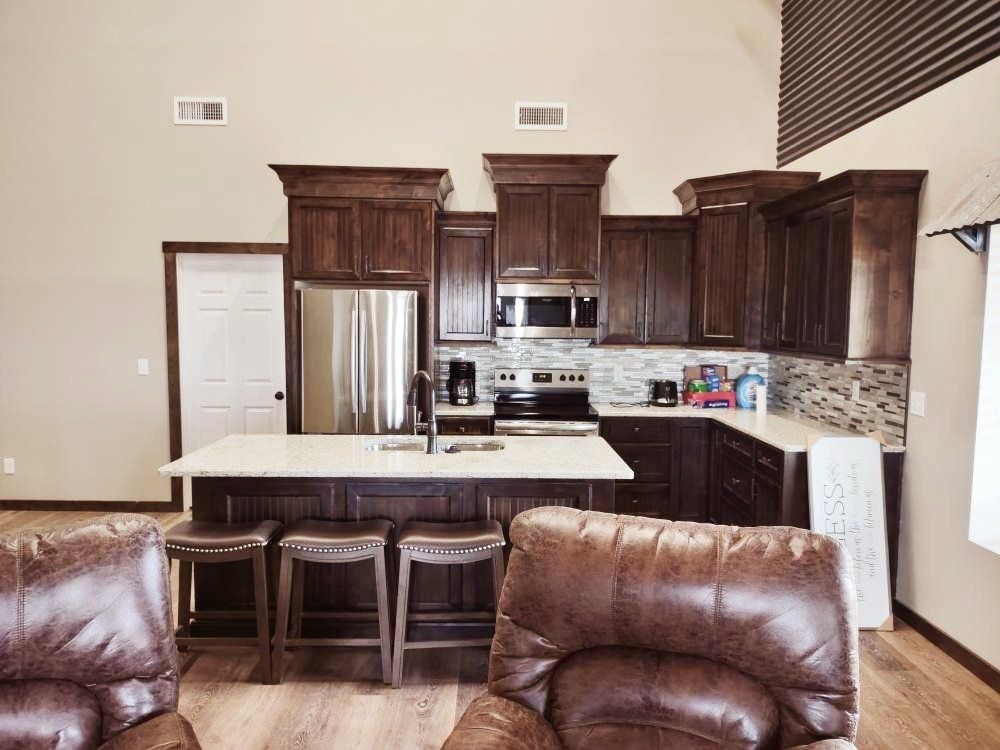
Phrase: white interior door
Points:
(231, 339)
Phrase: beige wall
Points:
(95, 176)
(951, 132)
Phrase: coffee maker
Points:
(662, 393)
(462, 382)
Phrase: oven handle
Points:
(518, 428)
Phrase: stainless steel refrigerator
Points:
(359, 351)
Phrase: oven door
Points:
(544, 427)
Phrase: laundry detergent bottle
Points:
(746, 388)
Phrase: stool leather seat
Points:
(336, 536)
(208, 536)
(451, 538)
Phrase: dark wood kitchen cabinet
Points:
(646, 264)
(362, 223)
(465, 276)
(839, 268)
(728, 295)
(465, 425)
(548, 215)
(669, 457)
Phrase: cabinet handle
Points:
(635, 429)
(461, 428)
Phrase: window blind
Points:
(846, 62)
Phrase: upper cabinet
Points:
(465, 276)
(728, 274)
(646, 268)
(548, 215)
(362, 223)
(839, 266)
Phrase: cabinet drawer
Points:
(738, 445)
(768, 461)
(465, 426)
(637, 499)
(636, 430)
(651, 463)
(736, 480)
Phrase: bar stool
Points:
(443, 544)
(331, 542)
(207, 542)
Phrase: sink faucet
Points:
(411, 401)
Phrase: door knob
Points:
(279, 396)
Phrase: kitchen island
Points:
(356, 477)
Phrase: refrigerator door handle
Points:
(363, 357)
(354, 361)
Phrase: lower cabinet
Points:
(669, 458)
(465, 425)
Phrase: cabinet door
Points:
(668, 287)
(396, 240)
(522, 231)
(774, 278)
(720, 276)
(465, 284)
(837, 278)
(325, 238)
(788, 333)
(815, 237)
(623, 287)
(689, 464)
(574, 232)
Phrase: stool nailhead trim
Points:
(332, 549)
(218, 549)
(451, 551)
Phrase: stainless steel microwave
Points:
(546, 311)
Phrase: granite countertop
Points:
(783, 430)
(347, 456)
(482, 409)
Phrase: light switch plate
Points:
(8, 466)
(918, 403)
(142, 366)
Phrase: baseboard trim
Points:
(980, 668)
(111, 506)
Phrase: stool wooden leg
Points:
(285, 586)
(384, 631)
(402, 607)
(498, 573)
(260, 600)
(184, 599)
(298, 592)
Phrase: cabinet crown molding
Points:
(752, 186)
(842, 185)
(548, 169)
(393, 183)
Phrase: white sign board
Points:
(847, 502)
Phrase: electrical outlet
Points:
(142, 366)
(856, 390)
(8, 466)
(918, 403)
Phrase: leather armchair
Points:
(87, 654)
(623, 632)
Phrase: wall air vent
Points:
(540, 115)
(200, 110)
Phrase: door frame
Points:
(170, 252)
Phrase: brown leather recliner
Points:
(622, 632)
(87, 654)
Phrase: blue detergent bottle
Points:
(746, 388)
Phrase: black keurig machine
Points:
(662, 393)
(462, 382)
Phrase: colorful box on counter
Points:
(710, 400)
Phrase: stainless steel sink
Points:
(419, 446)
(486, 445)
(386, 446)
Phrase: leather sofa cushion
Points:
(625, 697)
(48, 715)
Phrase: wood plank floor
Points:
(913, 696)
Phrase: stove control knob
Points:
(562, 377)
(572, 377)
(502, 376)
(580, 378)
(513, 376)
